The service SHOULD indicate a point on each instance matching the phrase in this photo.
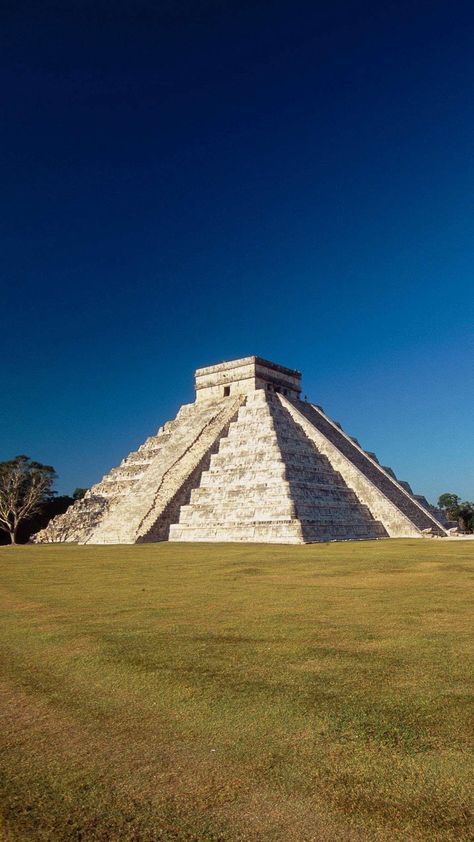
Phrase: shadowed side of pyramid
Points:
(325, 505)
(389, 500)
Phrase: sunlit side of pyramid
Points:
(247, 461)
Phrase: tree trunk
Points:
(13, 536)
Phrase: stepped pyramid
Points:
(247, 461)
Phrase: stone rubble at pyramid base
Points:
(247, 462)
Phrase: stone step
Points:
(246, 444)
(238, 477)
(194, 515)
(222, 461)
(270, 533)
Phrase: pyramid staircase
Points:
(268, 483)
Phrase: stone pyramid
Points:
(247, 461)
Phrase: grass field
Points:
(237, 692)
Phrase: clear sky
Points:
(188, 182)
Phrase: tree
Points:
(448, 502)
(466, 516)
(463, 512)
(25, 486)
(79, 493)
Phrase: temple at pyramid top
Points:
(240, 377)
(247, 460)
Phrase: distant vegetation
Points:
(456, 510)
(237, 693)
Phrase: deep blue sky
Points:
(184, 183)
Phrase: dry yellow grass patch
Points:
(233, 693)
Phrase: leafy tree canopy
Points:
(448, 501)
(462, 512)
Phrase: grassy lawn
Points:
(237, 692)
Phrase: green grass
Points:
(221, 693)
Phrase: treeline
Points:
(458, 511)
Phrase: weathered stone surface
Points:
(247, 461)
(76, 524)
(244, 377)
